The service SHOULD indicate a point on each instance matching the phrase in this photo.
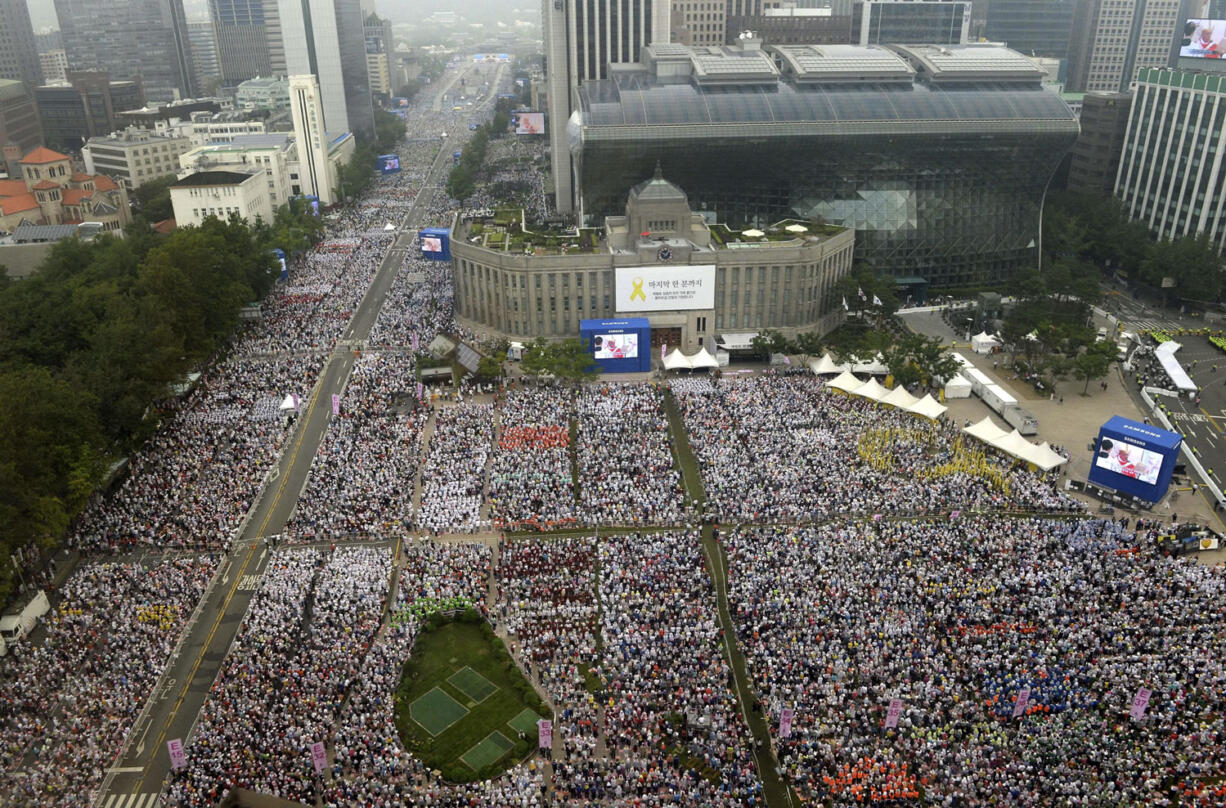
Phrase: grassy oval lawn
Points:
(462, 706)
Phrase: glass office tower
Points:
(939, 157)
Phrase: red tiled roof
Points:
(79, 177)
(104, 183)
(165, 226)
(13, 188)
(73, 196)
(46, 185)
(43, 155)
(16, 204)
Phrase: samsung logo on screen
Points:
(1142, 431)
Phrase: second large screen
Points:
(1131, 461)
(616, 346)
(1203, 39)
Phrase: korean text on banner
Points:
(1023, 699)
(786, 716)
(319, 756)
(1139, 703)
(336, 404)
(544, 733)
(891, 718)
(178, 757)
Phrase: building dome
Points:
(657, 189)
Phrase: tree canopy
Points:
(90, 341)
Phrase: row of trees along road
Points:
(90, 343)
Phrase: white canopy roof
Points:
(845, 382)
(983, 342)
(288, 403)
(1166, 355)
(676, 360)
(956, 384)
(1013, 444)
(740, 341)
(873, 366)
(871, 389)
(986, 431)
(899, 397)
(388, 226)
(927, 407)
(702, 359)
(826, 365)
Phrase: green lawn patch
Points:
(463, 660)
(525, 722)
(487, 751)
(436, 711)
(472, 684)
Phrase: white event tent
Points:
(1014, 445)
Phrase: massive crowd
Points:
(626, 470)
(955, 619)
(779, 448)
(363, 475)
(952, 618)
(531, 477)
(453, 475)
(67, 704)
(280, 688)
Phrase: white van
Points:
(14, 627)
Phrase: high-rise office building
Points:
(940, 160)
(1171, 169)
(249, 42)
(379, 46)
(18, 53)
(54, 64)
(19, 126)
(910, 22)
(307, 111)
(326, 38)
(1095, 158)
(204, 53)
(1113, 39)
(87, 105)
(699, 22)
(581, 40)
(1033, 27)
(130, 39)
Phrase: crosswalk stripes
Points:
(148, 800)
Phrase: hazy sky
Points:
(42, 12)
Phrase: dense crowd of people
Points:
(626, 470)
(363, 475)
(67, 704)
(782, 448)
(300, 648)
(673, 728)
(955, 619)
(453, 475)
(547, 600)
(531, 474)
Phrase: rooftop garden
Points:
(508, 231)
(786, 230)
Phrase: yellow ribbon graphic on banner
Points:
(638, 290)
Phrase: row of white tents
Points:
(675, 360)
(1013, 444)
(1010, 442)
(898, 397)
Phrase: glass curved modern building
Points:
(938, 156)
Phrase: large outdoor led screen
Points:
(1129, 460)
(616, 346)
(1203, 39)
(1135, 458)
(530, 123)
